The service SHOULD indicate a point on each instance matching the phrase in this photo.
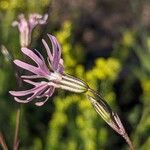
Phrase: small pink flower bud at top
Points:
(26, 26)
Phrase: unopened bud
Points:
(101, 108)
(26, 26)
(111, 118)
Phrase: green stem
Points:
(16, 139)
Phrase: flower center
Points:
(55, 76)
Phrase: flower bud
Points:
(26, 26)
(101, 108)
(111, 118)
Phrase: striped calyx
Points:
(71, 84)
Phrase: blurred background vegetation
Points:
(104, 42)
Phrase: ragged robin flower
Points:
(26, 26)
(51, 76)
(46, 77)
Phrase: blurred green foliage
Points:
(68, 121)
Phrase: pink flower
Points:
(49, 78)
(26, 26)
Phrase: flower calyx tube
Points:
(71, 84)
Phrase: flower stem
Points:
(128, 141)
(16, 139)
(2, 142)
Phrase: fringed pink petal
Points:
(43, 66)
(32, 77)
(32, 55)
(26, 92)
(41, 57)
(34, 93)
(51, 91)
(21, 101)
(60, 67)
(56, 51)
(48, 93)
(42, 102)
(31, 82)
(27, 100)
(30, 68)
(35, 19)
(21, 93)
(39, 60)
(47, 50)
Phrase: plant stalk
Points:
(2, 142)
(16, 137)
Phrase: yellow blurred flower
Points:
(128, 38)
(4, 4)
(80, 121)
(146, 87)
(148, 43)
(106, 68)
